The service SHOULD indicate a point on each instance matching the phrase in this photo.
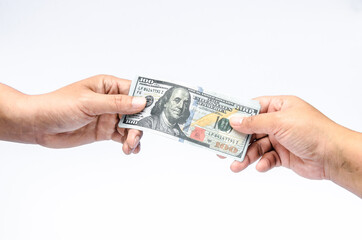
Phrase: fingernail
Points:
(138, 102)
(236, 121)
(135, 143)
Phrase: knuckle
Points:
(97, 80)
(118, 101)
(277, 104)
(249, 121)
(101, 80)
(292, 100)
(102, 76)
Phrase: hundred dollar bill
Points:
(190, 115)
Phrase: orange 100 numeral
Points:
(226, 147)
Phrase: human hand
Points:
(84, 112)
(288, 132)
(291, 133)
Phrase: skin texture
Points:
(80, 113)
(176, 106)
(291, 133)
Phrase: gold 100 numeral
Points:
(226, 147)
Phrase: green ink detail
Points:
(224, 125)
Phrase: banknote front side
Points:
(190, 115)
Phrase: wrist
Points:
(345, 162)
(16, 123)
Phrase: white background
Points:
(309, 48)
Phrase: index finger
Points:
(123, 85)
(271, 103)
(108, 84)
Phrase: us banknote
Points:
(190, 115)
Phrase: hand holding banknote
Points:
(80, 113)
(291, 133)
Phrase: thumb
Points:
(264, 123)
(121, 104)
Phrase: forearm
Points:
(16, 122)
(346, 164)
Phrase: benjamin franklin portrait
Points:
(169, 111)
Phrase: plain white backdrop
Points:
(310, 48)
